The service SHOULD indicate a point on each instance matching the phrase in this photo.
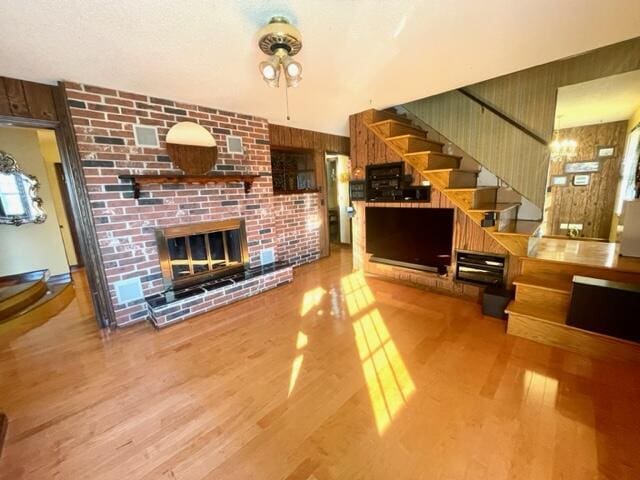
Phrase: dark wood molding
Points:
(138, 180)
(68, 210)
(82, 214)
(503, 116)
(20, 98)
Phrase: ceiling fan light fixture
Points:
(281, 41)
(270, 70)
(292, 69)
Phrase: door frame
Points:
(61, 178)
(82, 216)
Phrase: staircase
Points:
(459, 185)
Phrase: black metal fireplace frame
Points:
(163, 235)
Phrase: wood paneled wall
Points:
(529, 97)
(19, 98)
(320, 143)
(366, 149)
(590, 205)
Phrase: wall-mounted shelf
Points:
(138, 180)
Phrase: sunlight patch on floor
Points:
(388, 380)
(301, 341)
(539, 388)
(312, 298)
(357, 293)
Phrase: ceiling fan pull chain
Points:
(286, 94)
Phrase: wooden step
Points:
(538, 312)
(380, 115)
(414, 143)
(494, 207)
(53, 302)
(15, 298)
(570, 338)
(428, 160)
(535, 266)
(394, 128)
(520, 227)
(551, 291)
(452, 177)
(470, 198)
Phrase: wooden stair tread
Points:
(380, 123)
(444, 170)
(537, 312)
(554, 283)
(17, 297)
(520, 227)
(417, 137)
(431, 152)
(494, 207)
(470, 189)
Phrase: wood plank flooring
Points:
(335, 376)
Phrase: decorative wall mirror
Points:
(19, 200)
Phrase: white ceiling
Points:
(356, 54)
(608, 99)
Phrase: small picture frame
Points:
(605, 151)
(559, 180)
(581, 180)
(591, 166)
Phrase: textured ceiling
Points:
(608, 99)
(356, 54)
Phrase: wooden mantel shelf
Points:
(138, 180)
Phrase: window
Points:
(293, 171)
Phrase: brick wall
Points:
(103, 120)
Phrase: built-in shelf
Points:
(138, 180)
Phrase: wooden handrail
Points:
(504, 117)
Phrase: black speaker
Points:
(495, 300)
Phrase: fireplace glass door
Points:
(190, 255)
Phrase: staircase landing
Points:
(543, 293)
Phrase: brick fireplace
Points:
(103, 120)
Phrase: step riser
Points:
(412, 144)
(534, 296)
(473, 198)
(533, 266)
(459, 179)
(572, 339)
(379, 116)
(435, 162)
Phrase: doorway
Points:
(45, 246)
(592, 157)
(338, 219)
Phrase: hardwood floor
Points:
(331, 377)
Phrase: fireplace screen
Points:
(194, 253)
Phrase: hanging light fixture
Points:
(563, 149)
(281, 41)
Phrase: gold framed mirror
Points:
(19, 200)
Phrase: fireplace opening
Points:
(191, 254)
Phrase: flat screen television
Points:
(413, 237)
